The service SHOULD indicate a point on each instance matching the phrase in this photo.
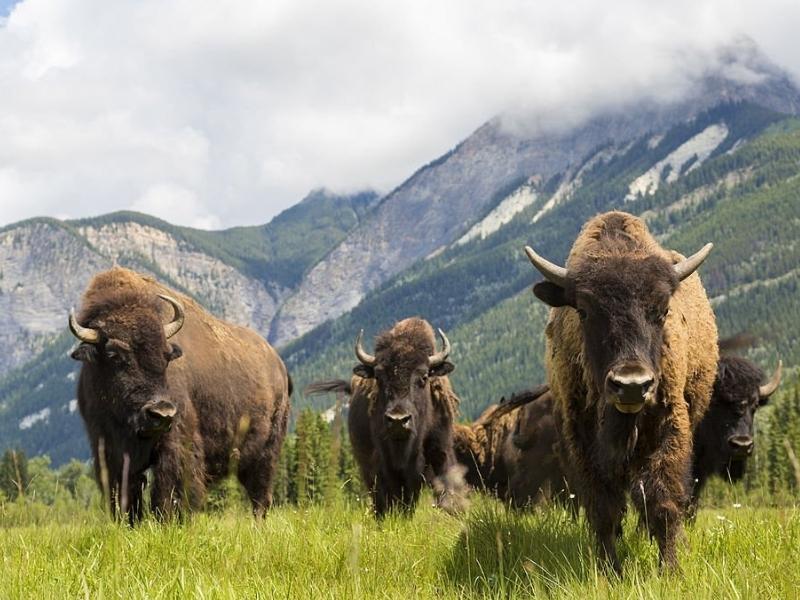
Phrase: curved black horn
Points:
(361, 354)
(689, 265)
(84, 334)
(178, 318)
(441, 356)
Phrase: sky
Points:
(214, 114)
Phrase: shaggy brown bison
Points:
(724, 439)
(631, 355)
(513, 453)
(401, 418)
(186, 399)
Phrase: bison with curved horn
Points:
(724, 439)
(401, 418)
(187, 399)
(631, 354)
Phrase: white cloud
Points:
(215, 114)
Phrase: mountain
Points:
(242, 274)
(721, 165)
(448, 195)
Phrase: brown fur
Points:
(395, 468)
(609, 456)
(516, 455)
(230, 387)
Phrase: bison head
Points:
(622, 302)
(405, 359)
(124, 344)
(726, 432)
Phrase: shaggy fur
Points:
(619, 266)
(396, 467)
(230, 389)
(733, 406)
(514, 455)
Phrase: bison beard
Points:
(187, 412)
(631, 353)
(401, 419)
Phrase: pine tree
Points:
(14, 479)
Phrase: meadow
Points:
(339, 551)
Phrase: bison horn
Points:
(175, 325)
(552, 272)
(84, 334)
(438, 358)
(766, 390)
(361, 354)
(689, 265)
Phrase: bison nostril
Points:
(740, 442)
(398, 419)
(630, 385)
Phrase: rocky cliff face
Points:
(44, 266)
(218, 286)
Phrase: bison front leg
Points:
(178, 479)
(605, 508)
(659, 492)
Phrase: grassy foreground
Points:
(340, 551)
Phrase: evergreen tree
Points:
(14, 477)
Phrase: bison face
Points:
(623, 304)
(126, 354)
(726, 431)
(402, 373)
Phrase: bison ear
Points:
(442, 369)
(364, 371)
(551, 294)
(84, 353)
(176, 352)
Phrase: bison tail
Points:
(325, 387)
(291, 383)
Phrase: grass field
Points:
(340, 551)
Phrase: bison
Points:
(187, 399)
(401, 418)
(724, 438)
(631, 355)
(511, 450)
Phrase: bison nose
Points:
(398, 420)
(160, 414)
(628, 387)
(741, 444)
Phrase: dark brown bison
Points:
(724, 439)
(511, 450)
(631, 354)
(187, 399)
(401, 418)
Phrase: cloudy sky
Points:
(213, 114)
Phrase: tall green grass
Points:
(339, 551)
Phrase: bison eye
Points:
(581, 314)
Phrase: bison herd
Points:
(638, 405)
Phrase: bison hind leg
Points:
(259, 460)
